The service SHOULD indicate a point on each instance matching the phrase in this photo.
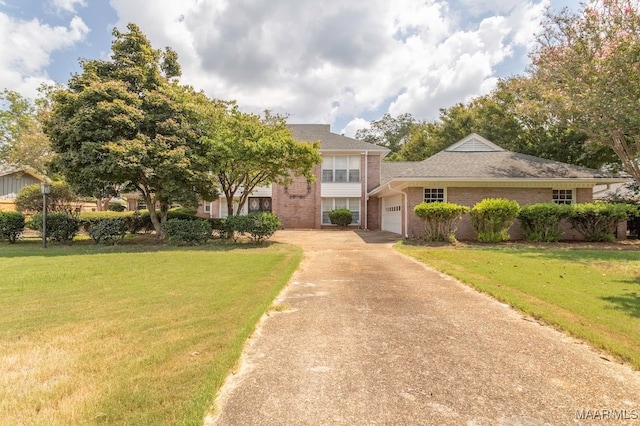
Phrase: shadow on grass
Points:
(131, 244)
(628, 303)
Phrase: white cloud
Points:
(68, 6)
(354, 125)
(335, 60)
(26, 48)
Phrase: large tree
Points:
(22, 139)
(390, 132)
(128, 121)
(248, 151)
(588, 68)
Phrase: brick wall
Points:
(470, 196)
(299, 205)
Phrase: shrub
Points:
(116, 207)
(61, 227)
(219, 226)
(440, 220)
(61, 199)
(88, 219)
(262, 226)
(341, 217)
(236, 225)
(598, 221)
(541, 222)
(108, 230)
(186, 211)
(190, 232)
(492, 217)
(11, 226)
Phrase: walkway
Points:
(375, 338)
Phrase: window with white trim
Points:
(329, 204)
(562, 196)
(341, 169)
(432, 195)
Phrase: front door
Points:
(259, 204)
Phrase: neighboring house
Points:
(382, 194)
(12, 180)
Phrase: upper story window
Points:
(432, 195)
(345, 168)
(563, 196)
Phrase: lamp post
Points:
(45, 189)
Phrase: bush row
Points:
(109, 227)
(491, 219)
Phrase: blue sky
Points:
(343, 62)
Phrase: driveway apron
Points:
(372, 337)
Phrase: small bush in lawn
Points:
(341, 217)
(262, 226)
(190, 232)
(90, 218)
(491, 218)
(108, 231)
(440, 220)
(61, 227)
(11, 226)
(541, 222)
(598, 221)
(237, 225)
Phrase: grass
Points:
(593, 294)
(133, 334)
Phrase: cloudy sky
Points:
(342, 62)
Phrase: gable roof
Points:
(331, 141)
(8, 169)
(475, 159)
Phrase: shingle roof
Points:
(330, 141)
(496, 165)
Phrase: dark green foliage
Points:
(492, 217)
(11, 226)
(263, 225)
(61, 227)
(341, 217)
(219, 226)
(187, 211)
(440, 220)
(259, 226)
(598, 221)
(189, 232)
(108, 231)
(61, 199)
(89, 218)
(541, 222)
(116, 207)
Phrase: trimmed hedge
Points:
(541, 222)
(598, 221)
(259, 226)
(341, 217)
(491, 218)
(11, 226)
(440, 220)
(108, 231)
(189, 232)
(61, 227)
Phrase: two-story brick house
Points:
(382, 194)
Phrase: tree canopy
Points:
(128, 121)
(390, 132)
(587, 69)
(250, 151)
(22, 139)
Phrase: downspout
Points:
(406, 218)
(366, 190)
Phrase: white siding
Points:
(340, 190)
(262, 192)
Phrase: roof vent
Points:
(474, 143)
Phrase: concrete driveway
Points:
(372, 337)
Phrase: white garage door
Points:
(392, 214)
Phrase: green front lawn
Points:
(127, 334)
(593, 294)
